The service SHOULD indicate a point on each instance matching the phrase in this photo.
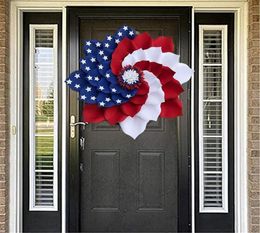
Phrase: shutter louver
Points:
(43, 173)
(213, 177)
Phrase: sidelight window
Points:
(213, 118)
(43, 118)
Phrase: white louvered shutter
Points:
(213, 118)
(43, 118)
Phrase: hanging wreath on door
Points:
(130, 79)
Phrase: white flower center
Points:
(130, 76)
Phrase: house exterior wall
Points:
(4, 113)
(254, 115)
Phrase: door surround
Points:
(239, 8)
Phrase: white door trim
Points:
(239, 7)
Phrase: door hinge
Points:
(189, 161)
(13, 129)
(190, 226)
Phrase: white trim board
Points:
(115, 1)
(16, 10)
(64, 122)
(32, 134)
(224, 115)
(50, 4)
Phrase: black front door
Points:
(117, 184)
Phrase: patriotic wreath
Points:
(130, 79)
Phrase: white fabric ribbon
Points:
(134, 126)
(154, 54)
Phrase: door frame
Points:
(17, 7)
(75, 14)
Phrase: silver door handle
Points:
(78, 123)
(73, 125)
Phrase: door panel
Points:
(104, 181)
(127, 183)
(131, 185)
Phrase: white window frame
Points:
(32, 206)
(224, 95)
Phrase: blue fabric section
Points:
(111, 77)
(109, 42)
(93, 77)
(103, 86)
(128, 93)
(103, 67)
(76, 80)
(95, 80)
(118, 99)
(89, 94)
(104, 55)
(125, 31)
(86, 65)
(115, 89)
(105, 100)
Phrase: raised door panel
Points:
(151, 183)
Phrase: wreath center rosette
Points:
(130, 79)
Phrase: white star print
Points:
(93, 59)
(96, 79)
(88, 89)
(77, 76)
(83, 97)
(89, 77)
(101, 88)
(119, 34)
(117, 41)
(102, 104)
(88, 43)
(108, 99)
(109, 38)
(69, 81)
(101, 52)
(105, 58)
(93, 98)
(89, 50)
(131, 33)
(118, 101)
(100, 67)
(87, 68)
(125, 28)
(98, 44)
(128, 96)
(83, 61)
(77, 86)
(113, 90)
(107, 75)
(106, 45)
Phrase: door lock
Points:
(73, 125)
(82, 143)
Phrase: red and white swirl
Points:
(163, 73)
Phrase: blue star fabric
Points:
(95, 81)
